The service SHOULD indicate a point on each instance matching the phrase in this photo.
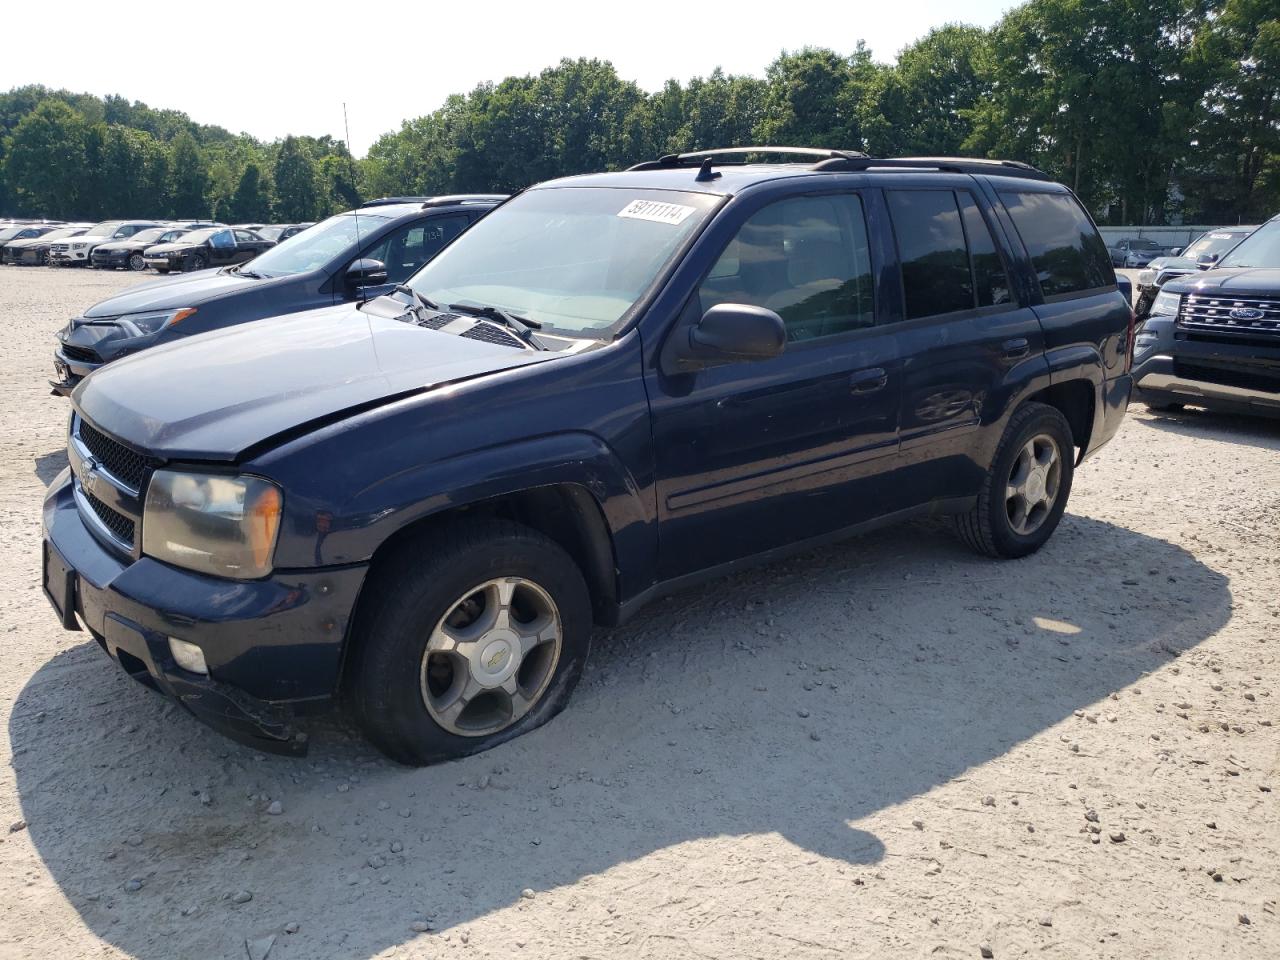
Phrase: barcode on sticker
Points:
(672, 213)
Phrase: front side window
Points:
(405, 250)
(807, 259)
(575, 259)
(1065, 249)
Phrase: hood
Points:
(171, 247)
(1262, 282)
(185, 290)
(214, 396)
(1172, 263)
(127, 244)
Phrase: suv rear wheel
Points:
(466, 639)
(1026, 489)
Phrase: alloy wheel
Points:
(1034, 481)
(490, 658)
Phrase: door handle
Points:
(1016, 349)
(869, 380)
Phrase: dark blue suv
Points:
(611, 387)
(349, 257)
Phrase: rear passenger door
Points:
(967, 342)
(752, 456)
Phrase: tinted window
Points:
(991, 282)
(806, 259)
(244, 236)
(407, 249)
(935, 260)
(1066, 251)
(1261, 249)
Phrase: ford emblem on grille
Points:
(1245, 313)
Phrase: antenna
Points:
(346, 128)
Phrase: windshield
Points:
(574, 259)
(146, 236)
(316, 246)
(1260, 249)
(11, 232)
(200, 236)
(104, 229)
(63, 233)
(167, 236)
(1143, 244)
(1218, 243)
(270, 233)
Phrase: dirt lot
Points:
(889, 748)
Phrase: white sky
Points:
(270, 67)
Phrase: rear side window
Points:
(805, 258)
(1066, 251)
(931, 247)
(990, 280)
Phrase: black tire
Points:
(987, 527)
(194, 262)
(410, 591)
(136, 262)
(162, 269)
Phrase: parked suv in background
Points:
(24, 231)
(1206, 250)
(33, 252)
(350, 256)
(1213, 339)
(611, 387)
(77, 251)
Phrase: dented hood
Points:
(213, 396)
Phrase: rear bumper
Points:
(273, 646)
(1110, 413)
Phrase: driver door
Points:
(753, 456)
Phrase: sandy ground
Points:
(889, 748)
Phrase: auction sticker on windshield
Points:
(672, 213)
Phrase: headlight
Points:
(1165, 305)
(155, 321)
(1146, 278)
(212, 523)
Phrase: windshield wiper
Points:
(420, 302)
(250, 274)
(522, 327)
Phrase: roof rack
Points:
(839, 161)
(464, 198)
(387, 201)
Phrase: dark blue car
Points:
(611, 387)
(349, 257)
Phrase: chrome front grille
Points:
(110, 483)
(1231, 315)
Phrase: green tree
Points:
(46, 157)
(295, 180)
(251, 202)
(813, 98)
(188, 179)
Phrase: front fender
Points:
(363, 522)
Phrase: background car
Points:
(353, 256)
(207, 247)
(127, 254)
(1135, 252)
(77, 252)
(1201, 254)
(23, 231)
(282, 231)
(34, 251)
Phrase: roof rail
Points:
(699, 158)
(970, 165)
(387, 201)
(464, 198)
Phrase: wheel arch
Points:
(1076, 401)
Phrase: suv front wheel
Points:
(466, 639)
(1025, 491)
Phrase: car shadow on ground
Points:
(49, 465)
(793, 701)
(1263, 432)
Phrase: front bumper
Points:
(69, 371)
(273, 646)
(157, 262)
(1157, 381)
(111, 260)
(69, 258)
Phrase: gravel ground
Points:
(888, 748)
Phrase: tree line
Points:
(1148, 109)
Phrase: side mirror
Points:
(1174, 251)
(1206, 260)
(366, 273)
(733, 333)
